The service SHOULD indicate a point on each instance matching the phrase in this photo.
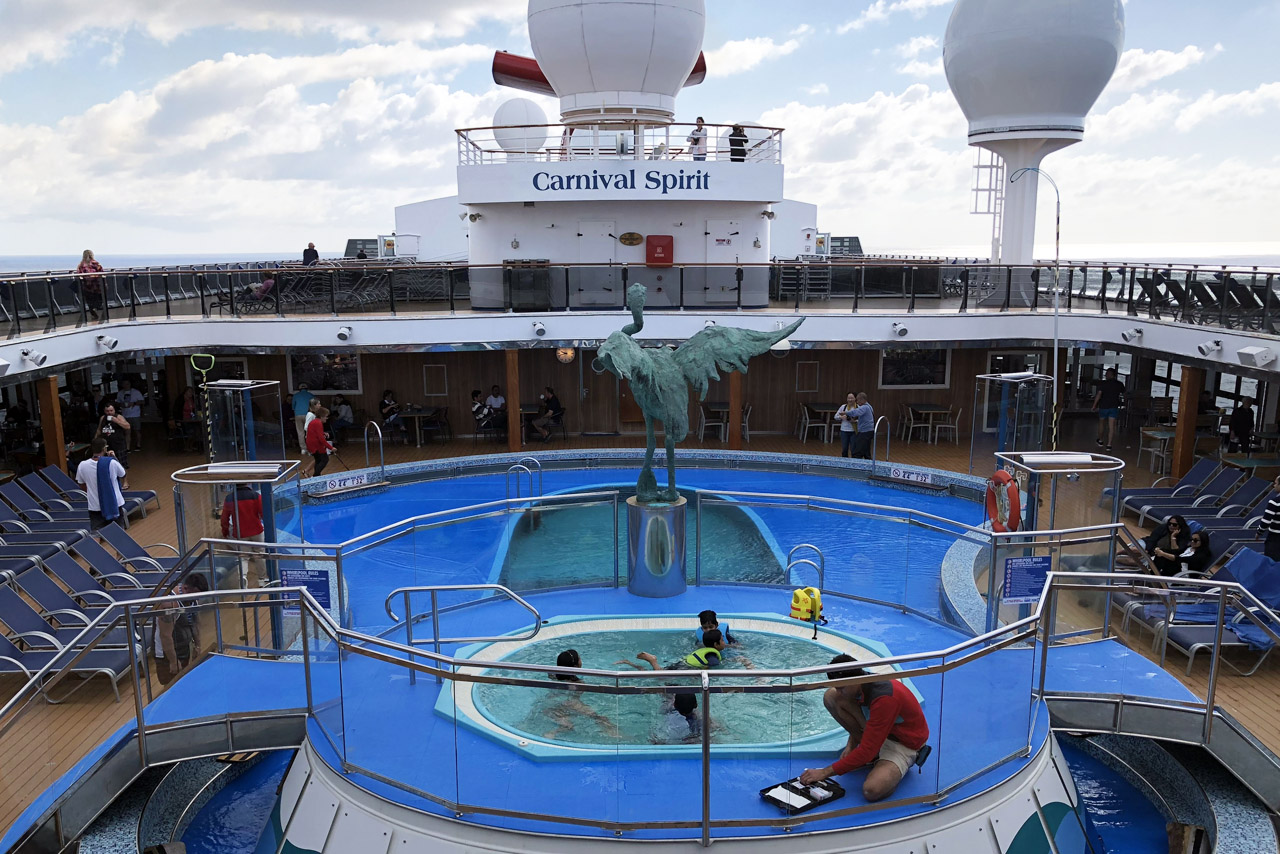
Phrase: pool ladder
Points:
(382, 457)
(520, 468)
(435, 640)
(819, 566)
(888, 440)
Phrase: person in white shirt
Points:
(698, 141)
(130, 401)
(495, 400)
(87, 475)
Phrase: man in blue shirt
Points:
(865, 417)
(301, 406)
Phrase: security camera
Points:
(1208, 348)
(35, 357)
(1130, 334)
(539, 329)
(708, 323)
(473, 217)
(900, 329)
(107, 342)
(344, 333)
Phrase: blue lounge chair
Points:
(27, 626)
(1234, 512)
(1211, 494)
(134, 554)
(11, 522)
(30, 510)
(113, 664)
(61, 539)
(102, 564)
(69, 488)
(1194, 478)
(82, 584)
(1244, 495)
(44, 492)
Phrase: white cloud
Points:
(916, 46)
(45, 30)
(1211, 105)
(920, 68)
(817, 89)
(882, 9)
(1140, 68)
(802, 30)
(744, 54)
(1141, 113)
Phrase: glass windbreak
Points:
(324, 663)
(561, 544)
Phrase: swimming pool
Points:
(554, 722)
(745, 541)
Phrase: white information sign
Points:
(346, 481)
(911, 475)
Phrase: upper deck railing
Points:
(614, 142)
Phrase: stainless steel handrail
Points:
(888, 440)
(382, 456)
(435, 640)
(536, 465)
(516, 470)
(820, 566)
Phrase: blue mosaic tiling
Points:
(1243, 825)
(1145, 764)
(116, 830)
(182, 783)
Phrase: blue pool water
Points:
(1123, 821)
(876, 558)
(592, 718)
(234, 818)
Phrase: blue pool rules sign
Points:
(1024, 578)
(315, 580)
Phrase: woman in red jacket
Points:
(317, 444)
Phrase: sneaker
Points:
(1099, 443)
(1108, 449)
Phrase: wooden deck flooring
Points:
(48, 740)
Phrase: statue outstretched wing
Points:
(723, 348)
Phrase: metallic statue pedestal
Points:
(656, 548)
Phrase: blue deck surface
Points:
(1109, 667)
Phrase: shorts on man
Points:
(1104, 414)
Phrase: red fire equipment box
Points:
(659, 250)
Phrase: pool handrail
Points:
(820, 566)
(888, 440)
(536, 466)
(382, 455)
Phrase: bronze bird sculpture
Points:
(660, 377)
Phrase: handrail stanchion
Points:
(1046, 625)
(408, 636)
(697, 540)
(888, 441)
(536, 466)
(706, 760)
(382, 454)
(616, 561)
(993, 610)
(435, 631)
(136, 652)
(1211, 690)
(306, 658)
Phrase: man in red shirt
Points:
(242, 520)
(885, 724)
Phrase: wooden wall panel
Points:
(769, 384)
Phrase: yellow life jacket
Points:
(806, 604)
(699, 658)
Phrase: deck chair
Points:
(30, 509)
(113, 664)
(11, 522)
(1217, 486)
(1249, 500)
(50, 497)
(82, 584)
(66, 485)
(29, 627)
(1187, 484)
(102, 564)
(61, 539)
(135, 555)
(1192, 627)
(1161, 509)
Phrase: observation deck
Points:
(617, 162)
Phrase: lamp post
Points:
(1057, 260)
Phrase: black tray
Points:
(795, 787)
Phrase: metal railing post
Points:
(1211, 691)
(136, 651)
(1008, 288)
(706, 760)
(1047, 624)
(993, 610)
(306, 659)
(342, 599)
(435, 630)
(408, 635)
(697, 541)
(616, 560)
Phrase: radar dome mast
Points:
(1026, 74)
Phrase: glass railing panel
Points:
(986, 707)
(660, 751)
(563, 545)
(325, 668)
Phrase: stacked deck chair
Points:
(111, 663)
(84, 586)
(1190, 625)
(44, 492)
(1211, 494)
(31, 511)
(69, 488)
(103, 565)
(135, 555)
(1205, 502)
(11, 522)
(1235, 513)
(28, 627)
(1188, 483)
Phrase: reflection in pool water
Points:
(601, 719)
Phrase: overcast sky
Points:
(259, 125)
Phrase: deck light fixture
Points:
(1130, 334)
(900, 330)
(344, 333)
(539, 329)
(107, 342)
(1256, 357)
(35, 357)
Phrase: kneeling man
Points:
(886, 726)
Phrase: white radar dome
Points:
(616, 59)
(519, 126)
(1031, 69)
